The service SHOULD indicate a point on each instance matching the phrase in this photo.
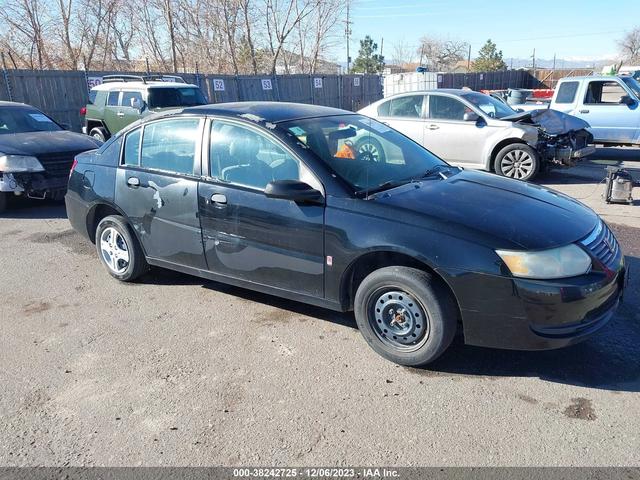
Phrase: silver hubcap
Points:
(517, 164)
(399, 320)
(115, 251)
(371, 150)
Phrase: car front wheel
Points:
(517, 161)
(406, 315)
(119, 250)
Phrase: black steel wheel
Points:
(406, 315)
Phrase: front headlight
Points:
(562, 262)
(19, 164)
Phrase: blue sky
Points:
(572, 29)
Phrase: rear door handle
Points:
(433, 127)
(133, 182)
(584, 111)
(219, 198)
(120, 114)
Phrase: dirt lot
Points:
(174, 370)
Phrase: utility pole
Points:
(469, 60)
(381, 56)
(534, 62)
(347, 32)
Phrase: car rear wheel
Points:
(99, 133)
(406, 315)
(517, 161)
(119, 250)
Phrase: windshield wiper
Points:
(383, 186)
(435, 170)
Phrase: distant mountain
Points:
(560, 63)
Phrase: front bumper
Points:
(518, 314)
(34, 185)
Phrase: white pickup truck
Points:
(611, 105)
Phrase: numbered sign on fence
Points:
(356, 81)
(218, 85)
(266, 84)
(317, 82)
(93, 82)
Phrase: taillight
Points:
(73, 166)
(83, 111)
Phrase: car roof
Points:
(589, 77)
(141, 85)
(451, 91)
(272, 112)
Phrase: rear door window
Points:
(132, 148)
(567, 92)
(92, 96)
(112, 99)
(407, 107)
(170, 145)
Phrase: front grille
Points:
(602, 244)
(57, 164)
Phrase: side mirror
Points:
(294, 190)
(627, 100)
(65, 126)
(471, 117)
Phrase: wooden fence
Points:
(61, 94)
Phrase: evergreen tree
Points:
(489, 59)
(368, 60)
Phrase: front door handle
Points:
(120, 114)
(133, 182)
(433, 127)
(219, 198)
(584, 111)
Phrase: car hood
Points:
(552, 121)
(501, 212)
(43, 143)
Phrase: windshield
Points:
(25, 120)
(633, 84)
(366, 154)
(489, 105)
(175, 97)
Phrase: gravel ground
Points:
(175, 370)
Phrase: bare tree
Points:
(441, 55)
(29, 25)
(402, 53)
(629, 46)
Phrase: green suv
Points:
(123, 99)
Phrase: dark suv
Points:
(274, 197)
(123, 99)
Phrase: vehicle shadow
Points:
(27, 208)
(161, 276)
(608, 360)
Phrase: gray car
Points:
(474, 130)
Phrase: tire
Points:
(99, 133)
(517, 161)
(113, 240)
(425, 327)
(371, 147)
(4, 200)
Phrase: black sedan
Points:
(274, 197)
(35, 153)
